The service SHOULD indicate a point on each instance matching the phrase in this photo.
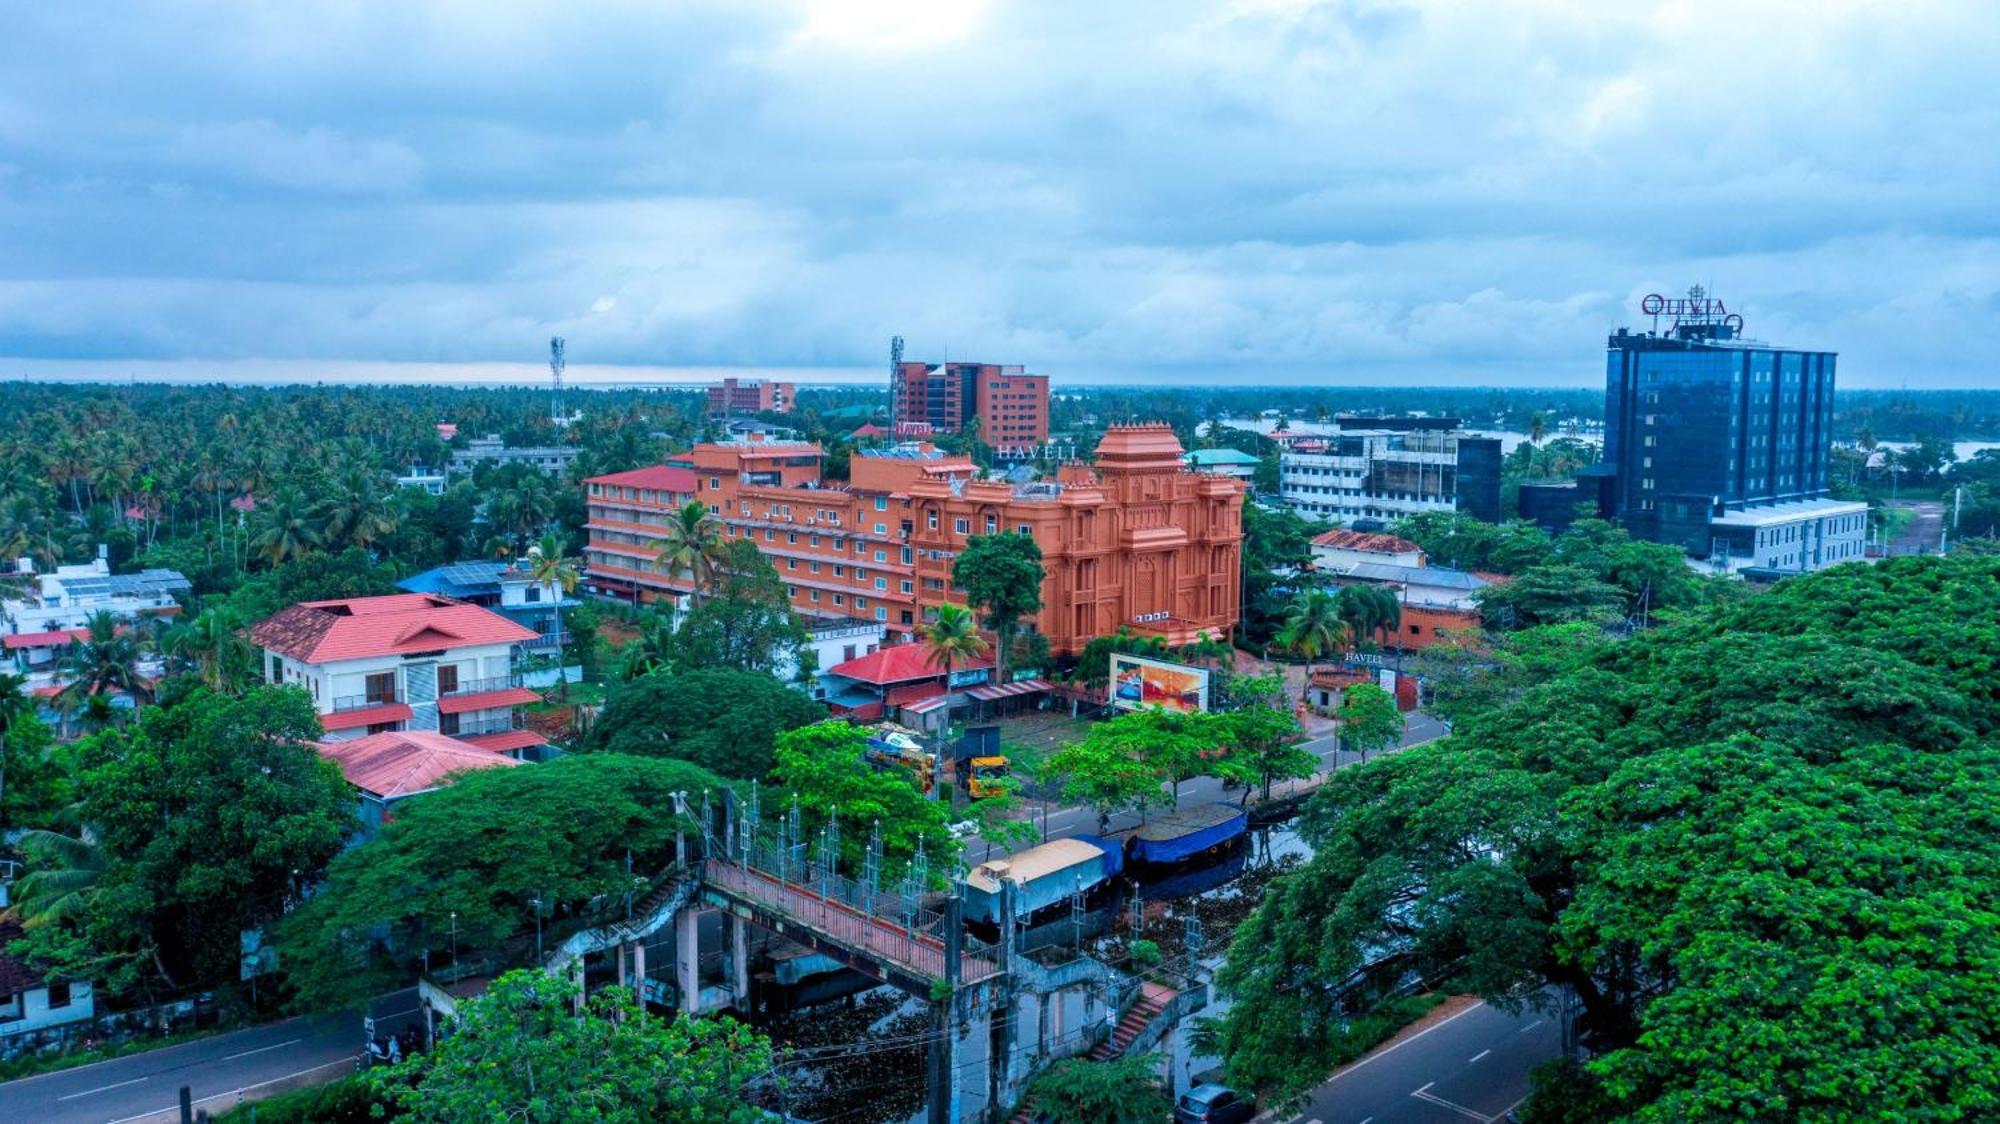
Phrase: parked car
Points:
(1214, 1104)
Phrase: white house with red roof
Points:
(409, 661)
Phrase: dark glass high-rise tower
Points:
(1707, 433)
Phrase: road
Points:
(1472, 1065)
(219, 1070)
(1060, 823)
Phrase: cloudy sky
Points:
(1267, 190)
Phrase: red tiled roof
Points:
(365, 627)
(487, 700)
(663, 477)
(406, 762)
(366, 716)
(506, 741)
(1364, 540)
(908, 693)
(899, 664)
(57, 639)
(868, 430)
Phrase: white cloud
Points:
(1334, 189)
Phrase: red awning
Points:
(925, 706)
(1008, 690)
(57, 639)
(506, 741)
(366, 716)
(488, 700)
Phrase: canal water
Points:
(861, 1055)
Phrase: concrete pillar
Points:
(739, 959)
(687, 959)
(619, 954)
(639, 970)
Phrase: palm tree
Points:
(953, 636)
(692, 545)
(106, 660)
(14, 706)
(1538, 427)
(549, 566)
(1313, 627)
(210, 646)
(286, 528)
(62, 876)
(354, 512)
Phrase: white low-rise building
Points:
(30, 1003)
(44, 612)
(832, 641)
(1797, 536)
(411, 661)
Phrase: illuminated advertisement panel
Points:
(1137, 681)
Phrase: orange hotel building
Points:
(1135, 540)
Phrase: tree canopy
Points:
(204, 819)
(826, 765)
(1001, 575)
(1757, 843)
(719, 718)
(519, 1052)
(472, 857)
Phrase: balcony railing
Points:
(362, 702)
(495, 725)
(481, 686)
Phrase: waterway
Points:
(862, 1055)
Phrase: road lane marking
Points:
(261, 1049)
(103, 1089)
(1367, 1120)
(1385, 1052)
(1424, 1095)
(1531, 1026)
(172, 1112)
(1478, 1056)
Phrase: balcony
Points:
(363, 702)
(481, 686)
(470, 727)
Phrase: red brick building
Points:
(751, 396)
(1135, 541)
(1012, 406)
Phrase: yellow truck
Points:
(988, 775)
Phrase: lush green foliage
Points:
(1758, 843)
(1277, 551)
(1124, 1091)
(745, 622)
(1368, 719)
(472, 857)
(719, 718)
(826, 767)
(205, 819)
(519, 1052)
(1001, 575)
(1138, 759)
(350, 1100)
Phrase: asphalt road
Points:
(1472, 1065)
(219, 1070)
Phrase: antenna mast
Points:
(895, 368)
(556, 365)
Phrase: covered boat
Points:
(1043, 876)
(1184, 833)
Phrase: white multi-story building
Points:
(552, 459)
(50, 610)
(1794, 536)
(831, 640)
(411, 661)
(1384, 469)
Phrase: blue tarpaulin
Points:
(1185, 832)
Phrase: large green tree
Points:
(720, 718)
(826, 766)
(211, 817)
(1081, 1091)
(459, 867)
(1368, 719)
(1001, 575)
(747, 623)
(1755, 843)
(520, 1052)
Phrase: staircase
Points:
(1153, 998)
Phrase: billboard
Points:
(1137, 681)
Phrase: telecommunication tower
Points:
(556, 365)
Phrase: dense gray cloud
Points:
(1269, 190)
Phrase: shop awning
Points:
(925, 706)
(1008, 690)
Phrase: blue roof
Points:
(457, 579)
